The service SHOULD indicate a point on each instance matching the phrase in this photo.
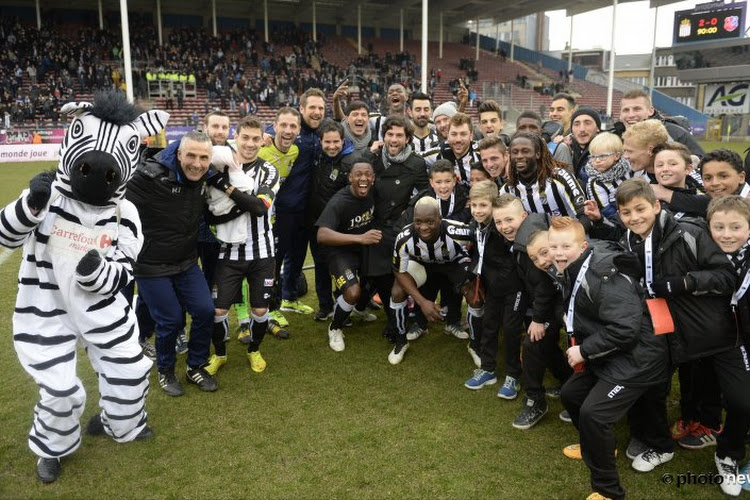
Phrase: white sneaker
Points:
(728, 469)
(365, 316)
(415, 331)
(397, 354)
(474, 356)
(336, 339)
(456, 331)
(650, 459)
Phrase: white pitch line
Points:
(5, 255)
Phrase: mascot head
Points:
(101, 147)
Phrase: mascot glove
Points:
(40, 189)
(89, 264)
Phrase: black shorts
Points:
(455, 273)
(344, 267)
(228, 280)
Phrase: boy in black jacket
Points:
(684, 266)
(615, 340)
(504, 297)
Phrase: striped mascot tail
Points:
(80, 238)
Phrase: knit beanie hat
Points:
(587, 111)
(447, 108)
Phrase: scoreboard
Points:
(710, 21)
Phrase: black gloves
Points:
(672, 286)
(220, 180)
(88, 263)
(40, 188)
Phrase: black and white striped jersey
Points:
(260, 241)
(561, 195)
(451, 245)
(603, 192)
(423, 144)
(462, 166)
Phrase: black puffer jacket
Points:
(703, 319)
(611, 322)
(170, 208)
(461, 211)
(499, 269)
(540, 288)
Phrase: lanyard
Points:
(736, 296)
(481, 240)
(571, 305)
(745, 190)
(649, 258)
(450, 205)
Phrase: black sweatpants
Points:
(595, 406)
(449, 297)
(647, 418)
(733, 374)
(700, 397)
(540, 355)
(506, 310)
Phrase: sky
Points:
(633, 34)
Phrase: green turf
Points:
(316, 424)
(740, 147)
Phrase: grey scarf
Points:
(360, 143)
(618, 171)
(399, 158)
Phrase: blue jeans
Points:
(166, 298)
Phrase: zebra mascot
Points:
(80, 238)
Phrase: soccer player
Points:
(343, 228)
(425, 136)
(460, 148)
(440, 246)
(494, 156)
(560, 110)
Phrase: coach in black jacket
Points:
(168, 191)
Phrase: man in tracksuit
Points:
(613, 339)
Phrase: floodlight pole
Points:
(497, 37)
(101, 16)
(477, 56)
(440, 56)
(424, 44)
(213, 15)
(38, 16)
(611, 83)
(359, 28)
(158, 21)
(265, 20)
(401, 31)
(512, 42)
(315, 22)
(570, 45)
(651, 75)
(126, 49)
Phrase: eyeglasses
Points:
(601, 156)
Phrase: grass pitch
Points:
(316, 424)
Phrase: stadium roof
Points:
(384, 12)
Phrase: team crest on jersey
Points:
(334, 174)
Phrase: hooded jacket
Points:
(704, 324)
(611, 322)
(543, 294)
(170, 207)
(499, 270)
(329, 176)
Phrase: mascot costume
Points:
(80, 238)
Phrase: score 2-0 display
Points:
(711, 21)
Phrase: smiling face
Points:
(361, 179)
(538, 251)
(249, 142)
(565, 247)
(490, 124)
(287, 127)
(459, 139)
(639, 215)
(730, 230)
(584, 129)
(529, 125)
(508, 219)
(443, 184)
(524, 157)
(427, 222)
(494, 161)
(313, 111)
(638, 155)
(332, 143)
(396, 98)
(217, 129)
(560, 112)
(720, 178)
(358, 121)
(194, 158)
(670, 169)
(421, 111)
(442, 124)
(635, 110)
(481, 209)
(395, 140)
